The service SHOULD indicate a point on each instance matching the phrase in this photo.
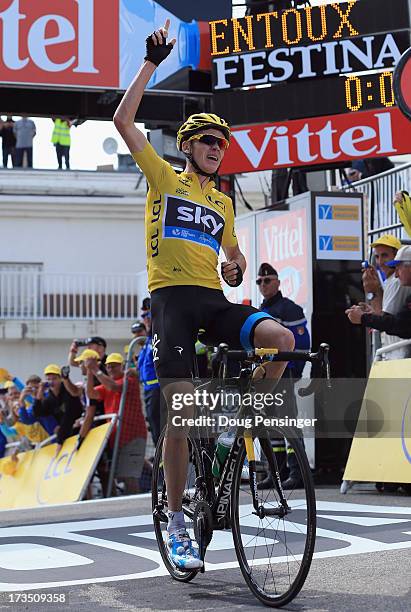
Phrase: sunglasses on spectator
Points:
(211, 140)
(265, 281)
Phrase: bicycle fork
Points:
(260, 509)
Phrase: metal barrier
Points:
(116, 448)
(379, 193)
(390, 348)
(51, 439)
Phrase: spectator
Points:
(24, 131)
(387, 296)
(93, 408)
(398, 323)
(62, 141)
(138, 330)
(26, 401)
(95, 343)
(8, 142)
(148, 376)
(353, 175)
(133, 428)
(33, 432)
(402, 204)
(62, 401)
(3, 442)
(289, 314)
(99, 345)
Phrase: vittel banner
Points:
(283, 239)
(59, 42)
(318, 141)
(91, 43)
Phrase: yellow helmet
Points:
(200, 121)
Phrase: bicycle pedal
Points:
(160, 515)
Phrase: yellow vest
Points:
(61, 133)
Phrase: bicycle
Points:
(274, 534)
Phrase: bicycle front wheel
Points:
(160, 503)
(274, 549)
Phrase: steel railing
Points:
(379, 193)
(37, 295)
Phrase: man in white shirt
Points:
(389, 296)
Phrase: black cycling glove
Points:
(157, 53)
(239, 278)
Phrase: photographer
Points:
(62, 401)
(95, 343)
(26, 401)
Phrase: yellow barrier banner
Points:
(41, 477)
(381, 447)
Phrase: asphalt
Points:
(101, 556)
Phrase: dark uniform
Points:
(291, 316)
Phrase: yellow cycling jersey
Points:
(185, 225)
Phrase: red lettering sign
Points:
(72, 42)
(319, 140)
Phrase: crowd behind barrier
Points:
(51, 408)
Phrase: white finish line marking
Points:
(71, 531)
(19, 557)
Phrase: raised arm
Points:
(124, 117)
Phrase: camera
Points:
(81, 341)
(65, 371)
(364, 265)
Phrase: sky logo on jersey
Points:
(338, 212)
(338, 243)
(187, 220)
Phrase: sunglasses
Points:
(211, 140)
(264, 281)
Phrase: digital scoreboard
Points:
(308, 62)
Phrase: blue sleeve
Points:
(19, 384)
(8, 431)
(26, 416)
(3, 443)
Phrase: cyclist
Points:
(187, 220)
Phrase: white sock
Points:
(175, 521)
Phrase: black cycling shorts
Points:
(178, 313)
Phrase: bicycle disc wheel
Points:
(160, 504)
(274, 552)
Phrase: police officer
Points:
(289, 314)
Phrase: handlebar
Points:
(224, 354)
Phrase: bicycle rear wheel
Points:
(274, 552)
(159, 502)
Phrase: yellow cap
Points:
(87, 354)
(115, 358)
(8, 384)
(388, 240)
(4, 374)
(52, 368)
